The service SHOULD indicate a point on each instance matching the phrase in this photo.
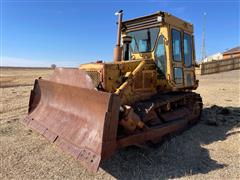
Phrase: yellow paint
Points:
(138, 79)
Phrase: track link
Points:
(169, 107)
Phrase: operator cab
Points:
(165, 39)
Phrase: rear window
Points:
(187, 50)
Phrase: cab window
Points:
(160, 55)
(178, 75)
(187, 50)
(176, 45)
(143, 40)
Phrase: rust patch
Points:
(81, 121)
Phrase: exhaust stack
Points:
(118, 49)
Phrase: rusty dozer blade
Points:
(71, 113)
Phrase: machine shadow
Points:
(180, 155)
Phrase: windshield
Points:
(143, 40)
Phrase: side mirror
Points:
(127, 39)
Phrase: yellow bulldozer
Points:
(140, 97)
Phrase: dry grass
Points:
(12, 77)
(202, 152)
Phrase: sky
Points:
(72, 32)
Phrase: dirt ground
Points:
(209, 150)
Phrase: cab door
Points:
(160, 56)
(177, 57)
(188, 69)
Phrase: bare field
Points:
(209, 150)
(12, 77)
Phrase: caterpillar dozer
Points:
(145, 94)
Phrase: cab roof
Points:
(156, 19)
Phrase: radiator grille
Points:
(95, 76)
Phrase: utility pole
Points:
(203, 49)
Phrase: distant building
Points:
(231, 53)
(214, 57)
